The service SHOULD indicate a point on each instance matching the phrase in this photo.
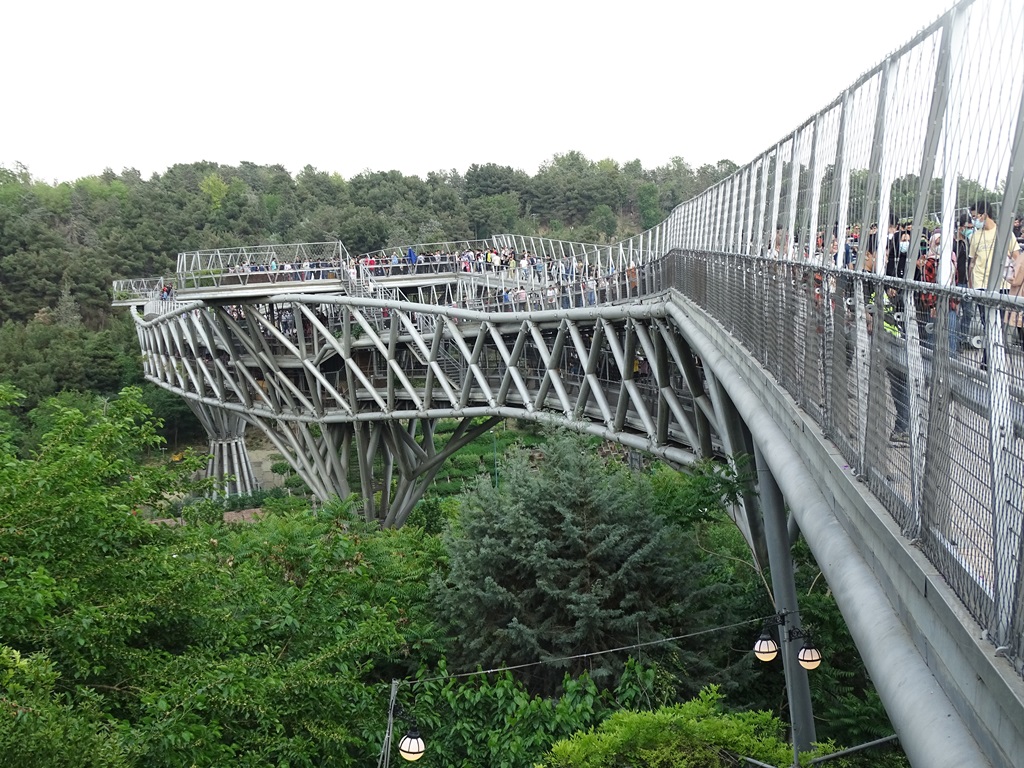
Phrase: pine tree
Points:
(564, 558)
(66, 314)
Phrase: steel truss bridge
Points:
(751, 322)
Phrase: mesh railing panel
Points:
(913, 420)
(870, 261)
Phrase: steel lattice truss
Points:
(326, 376)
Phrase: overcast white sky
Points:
(419, 86)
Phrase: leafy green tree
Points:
(561, 559)
(696, 734)
(603, 220)
(215, 189)
(41, 726)
(315, 188)
(362, 230)
(651, 213)
(493, 214)
(491, 179)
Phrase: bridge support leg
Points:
(780, 558)
(396, 459)
(229, 462)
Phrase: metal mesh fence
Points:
(228, 266)
(937, 439)
(870, 260)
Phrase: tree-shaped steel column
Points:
(229, 462)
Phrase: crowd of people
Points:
(524, 281)
(286, 271)
(522, 266)
(974, 267)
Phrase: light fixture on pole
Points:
(808, 656)
(411, 746)
(766, 649)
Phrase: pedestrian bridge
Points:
(882, 403)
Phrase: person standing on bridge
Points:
(982, 246)
(982, 260)
(961, 325)
(895, 356)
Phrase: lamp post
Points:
(411, 746)
(798, 690)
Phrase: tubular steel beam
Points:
(931, 731)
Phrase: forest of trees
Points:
(128, 643)
(125, 643)
(61, 245)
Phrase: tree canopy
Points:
(128, 642)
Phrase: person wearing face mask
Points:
(982, 259)
(983, 243)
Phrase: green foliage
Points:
(696, 734)
(493, 214)
(41, 727)
(73, 239)
(651, 213)
(296, 483)
(433, 514)
(701, 493)
(255, 499)
(125, 643)
(562, 558)
(494, 720)
(603, 220)
(215, 189)
(202, 512)
(285, 504)
(273, 642)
